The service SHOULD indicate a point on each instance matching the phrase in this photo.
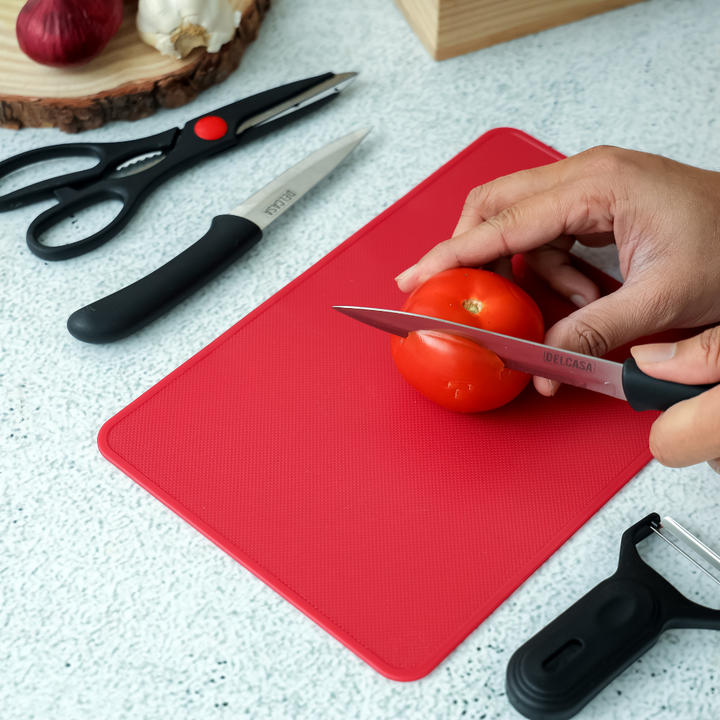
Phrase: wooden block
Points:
(453, 27)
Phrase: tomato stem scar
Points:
(473, 306)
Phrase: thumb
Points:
(688, 432)
(695, 361)
(605, 324)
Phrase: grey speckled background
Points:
(110, 606)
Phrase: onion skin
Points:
(64, 33)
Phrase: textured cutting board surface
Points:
(293, 443)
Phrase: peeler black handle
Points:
(555, 673)
(559, 670)
(644, 392)
(128, 310)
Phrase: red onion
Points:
(67, 32)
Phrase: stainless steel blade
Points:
(603, 376)
(275, 198)
(331, 86)
(676, 529)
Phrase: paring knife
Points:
(624, 381)
(230, 236)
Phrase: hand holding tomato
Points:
(664, 218)
(453, 371)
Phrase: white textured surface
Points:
(112, 607)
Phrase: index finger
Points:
(491, 198)
(528, 224)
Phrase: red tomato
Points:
(451, 370)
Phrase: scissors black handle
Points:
(108, 155)
(72, 201)
(199, 139)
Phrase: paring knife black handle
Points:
(648, 393)
(128, 310)
(559, 670)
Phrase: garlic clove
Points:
(176, 27)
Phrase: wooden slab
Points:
(453, 27)
(129, 80)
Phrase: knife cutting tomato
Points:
(456, 372)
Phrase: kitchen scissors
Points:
(129, 171)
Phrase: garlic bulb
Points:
(175, 27)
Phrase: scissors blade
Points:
(276, 197)
(331, 86)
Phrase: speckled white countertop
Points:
(113, 607)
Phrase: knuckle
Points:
(479, 199)
(606, 160)
(576, 209)
(500, 223)
(710, 346)
(603, 151)
(590, 340)
(477, 195)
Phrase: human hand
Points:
(689, 432)
(663, 216)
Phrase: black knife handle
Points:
(648, 393)
(128, 310)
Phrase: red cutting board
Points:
(398, 526)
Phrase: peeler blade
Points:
(699, 548)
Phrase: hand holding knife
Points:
(623, 381)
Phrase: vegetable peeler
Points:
(559, 670)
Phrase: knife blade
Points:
(624, 381)
(230, 236)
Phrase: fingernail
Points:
(715, 465)
(405, 274)
(578, 300)
(656, 352)
(553, 385)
